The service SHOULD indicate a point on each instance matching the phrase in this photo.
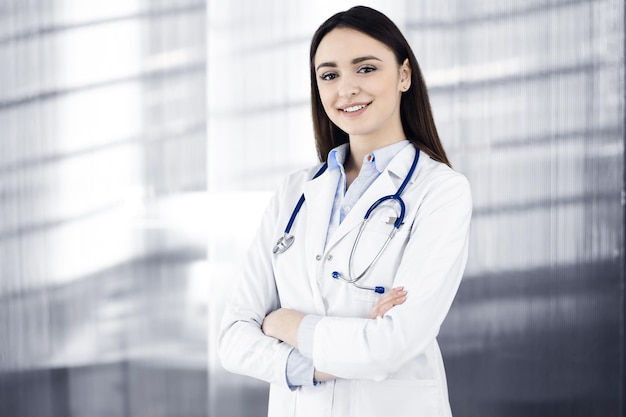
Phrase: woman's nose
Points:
(348, 87)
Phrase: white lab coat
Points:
(386, 367)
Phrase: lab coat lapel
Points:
(319, 195)
(386, 184)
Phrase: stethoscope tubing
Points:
(296, 210)
(376, 258)
(396, 197)
(285, 241)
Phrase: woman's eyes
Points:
(366, 69)
(329, 76)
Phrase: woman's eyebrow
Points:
(354, 61)
(365, 58)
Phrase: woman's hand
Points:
(283, 324)
(393, 298)
(323, 376)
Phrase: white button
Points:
(329, 257)
(318, 257)
(346, 208)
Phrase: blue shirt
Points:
(300, 367)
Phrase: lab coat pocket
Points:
(395, 397)
(367, 296)
(383, 271)
(382, 221)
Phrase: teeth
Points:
(354, 108)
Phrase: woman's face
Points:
(360, 85)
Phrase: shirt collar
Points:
(337, 156)
(381, 157)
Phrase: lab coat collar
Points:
(401, 163)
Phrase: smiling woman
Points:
(371, 50)
(361, 89)
(341, 315)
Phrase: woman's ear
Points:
(405, 75)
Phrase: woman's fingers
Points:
(393, 298)
(322, 376)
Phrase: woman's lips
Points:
(354, 109)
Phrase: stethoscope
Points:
(285, 241)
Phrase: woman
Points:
(308, 315)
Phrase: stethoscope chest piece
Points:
(286, 240)
(283, 243)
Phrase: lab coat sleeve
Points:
(430, 271)
(242, 346)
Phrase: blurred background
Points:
(141, 139)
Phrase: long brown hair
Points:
(415, 113)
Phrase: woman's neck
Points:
(359, 148)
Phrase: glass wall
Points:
(102, 174)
